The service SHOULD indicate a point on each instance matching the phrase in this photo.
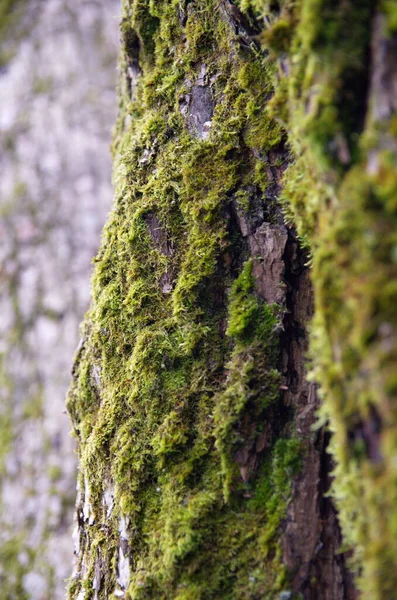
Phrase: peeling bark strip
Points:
(200, 474)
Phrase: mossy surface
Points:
(179, 368)
(6, 9)
(341, 192)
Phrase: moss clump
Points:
(279, 36)
(175, 370)
(253, 327)
(389, 10)
(6, 13)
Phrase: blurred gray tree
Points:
(57, 108)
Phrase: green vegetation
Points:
(163, 399)
(180, 358)
(341, 193)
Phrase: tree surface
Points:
(234, 393)
(55, 191)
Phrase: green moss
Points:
(252, 325)
(6, 12)
(54, 472)
(389, 9)
(279, 36)
(33, 409)
(322, 102)
(177, 382)
(341, 191)
(162, 398)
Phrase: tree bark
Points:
(253, 139)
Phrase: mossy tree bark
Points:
(204, 471)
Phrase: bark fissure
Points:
(311, 536)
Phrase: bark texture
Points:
(204, 472)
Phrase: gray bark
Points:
(57, 107)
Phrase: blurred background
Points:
(57, 107)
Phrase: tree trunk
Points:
(253, 140)
(55, 189)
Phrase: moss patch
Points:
(180, 355)
(341, 193)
